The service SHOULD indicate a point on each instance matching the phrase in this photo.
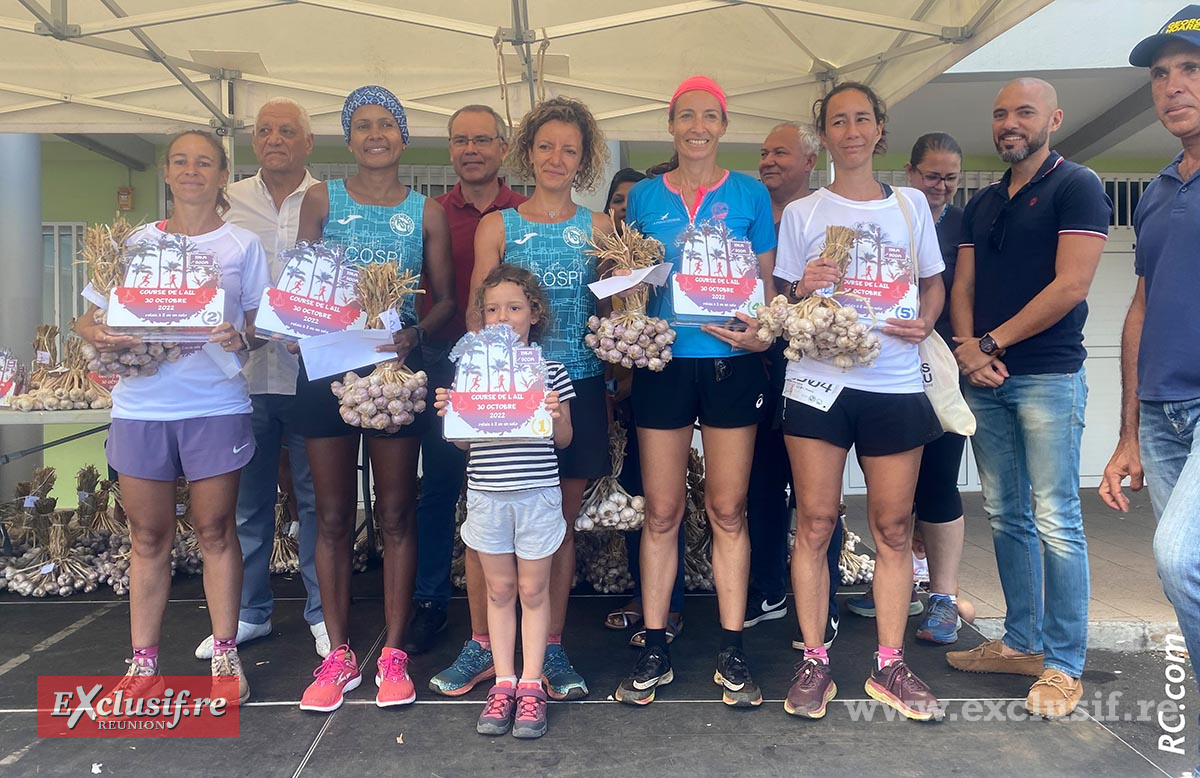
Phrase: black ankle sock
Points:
(730, 639)
(656, 637)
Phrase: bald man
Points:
(1031, 244)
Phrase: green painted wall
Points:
(79, 185)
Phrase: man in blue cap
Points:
(1160, 344)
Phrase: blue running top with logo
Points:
(554, 253)
(379, 233)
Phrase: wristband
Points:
(792, 290)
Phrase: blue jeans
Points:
(443, 466)
(1027, 449)
(256, 510)
(1171, 459)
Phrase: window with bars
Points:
(62, 278)
(1125, 189)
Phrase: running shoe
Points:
(942, 623)
(831, 632)
(335, 676)
(428, 619)
(811, 690)
(497, 715)
(653, 669)
(395, 687)
(141, 681)
(229, 665)
(764, 610)
(896, 686)
(562, 682)
(530, 720)
(864, 604)
(245, 633)
(733, 675)
(320, 638)
(473, 664)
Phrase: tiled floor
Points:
(1125, 586)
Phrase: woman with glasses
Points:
(713, 378)
(880, 409)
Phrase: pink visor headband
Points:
(701, 84)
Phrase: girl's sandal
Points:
(628, 615)
(674, 627)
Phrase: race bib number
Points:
(815, 394)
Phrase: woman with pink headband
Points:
(714, 377)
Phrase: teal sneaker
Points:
(562, 682)
(474, 664)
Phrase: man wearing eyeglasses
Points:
(1160, 355)
(478, 143)
(1032, 242)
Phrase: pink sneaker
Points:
(337, 675)
(395, 687)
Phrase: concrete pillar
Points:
(21, 293)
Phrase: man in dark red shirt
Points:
(478, 143)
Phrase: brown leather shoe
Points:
(1054, 694)
(988, 658)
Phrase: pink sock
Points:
(887, 656)
(536, 683)
(222, 645)
(484, 641)
(146, 657)
(506, 680)
(554, 640)
(820, 653)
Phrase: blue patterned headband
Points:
(374, 95)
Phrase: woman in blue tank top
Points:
(560, 147)
(377, 219)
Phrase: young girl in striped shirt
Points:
(514, 517)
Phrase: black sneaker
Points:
(831, 628)
(653, 669)
(733, 674)
(764, 610)
(831, 632)
(428, 619)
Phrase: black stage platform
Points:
(686, 732)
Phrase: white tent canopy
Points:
(158, 66)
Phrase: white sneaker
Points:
(229, 665)
(245, 633)
(321, 637)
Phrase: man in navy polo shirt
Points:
(1032, 241)
(1160, 345)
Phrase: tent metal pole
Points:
(98, 95)
(521, 40)
(184, 14)
(160, 56)
(58, 97)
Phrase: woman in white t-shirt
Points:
(191, 419)
(880, 410)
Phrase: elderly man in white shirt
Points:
(268, 205)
